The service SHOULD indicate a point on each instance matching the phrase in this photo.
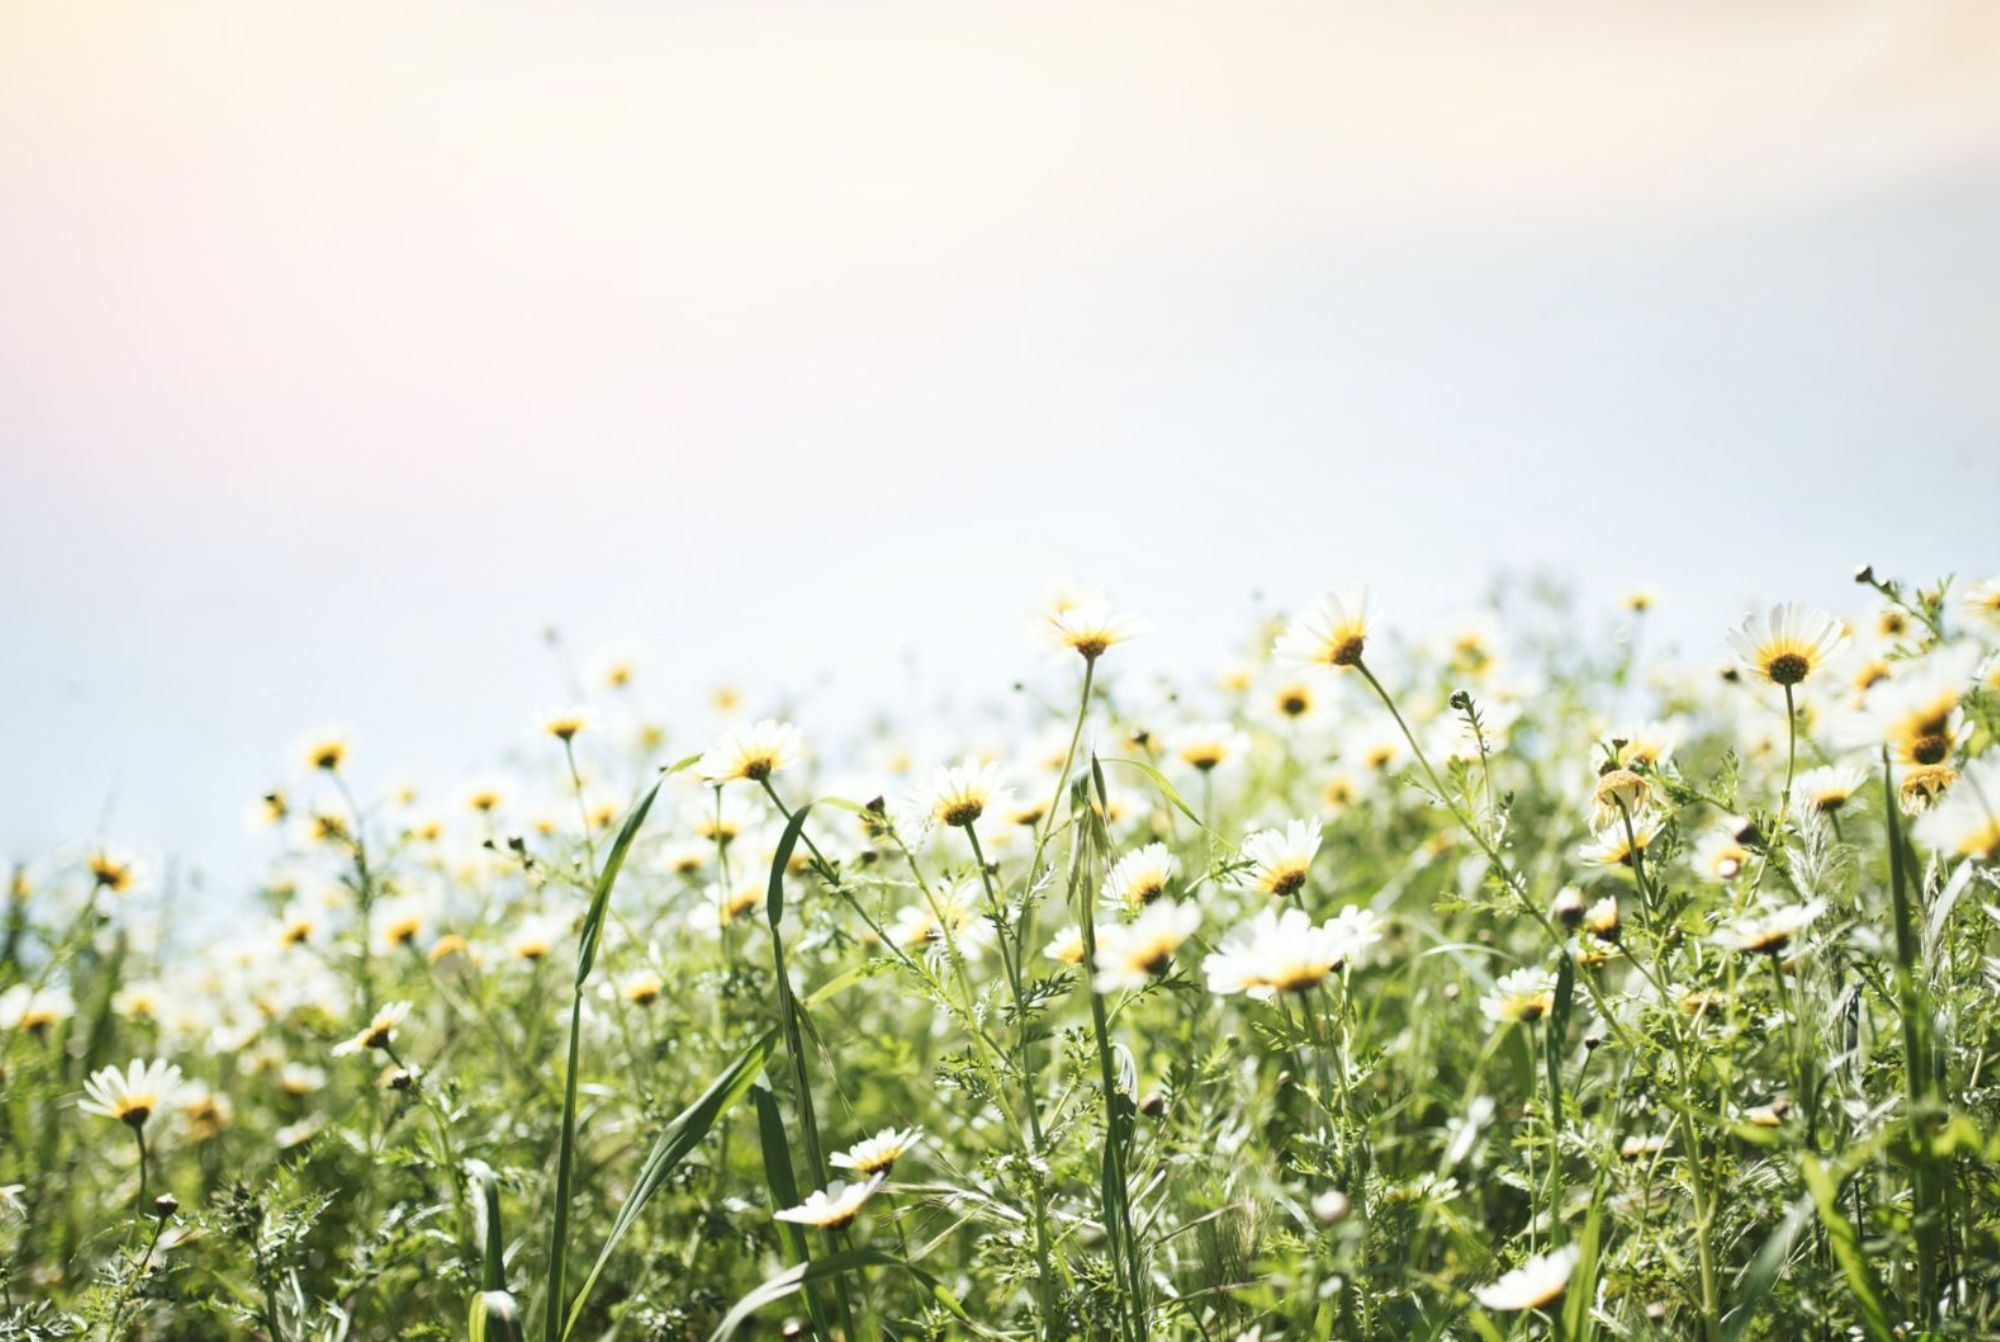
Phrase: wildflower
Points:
(204, 1112)
(1770, 1115)
(956, 922)
(1829, 788)
(1139, 877)
(1569, 906)
(1614, 847)
(752, 753)
(1091, 629)
(1293, 700)
(642, 989)
(726, 906)
(1331, 1207)
(133, 1095)
(297, 1079)
(1981, 602)
(1333, 633)
(1967, 822)
(1770, 933)
(1130, 954)
(1523, 995)
(137, 1000)
(1532, 1285)
(1639, 1146)
(1639, 600)
(1917, 714)
(1619, 793)
(1280, 859)
(832, 1207)
(1204, 746)
(1066, 946)
(1787, 643)
(34, 1009)
(1720, 855)
(113, 872)
(380, 1032)
(878, 1154)
(1277, 951)
(959, 794)
(324, 749)
(1919, 789)
(535, 938)
(564, 723)
(1603, 919)
(1645, 744)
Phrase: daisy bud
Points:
(165, 1205)
(1569, 906)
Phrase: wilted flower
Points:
(1967, 822)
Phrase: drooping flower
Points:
(1787, 643)
(752, 753)
(1130, 954)
(1333, 633)
(133, 1095)
(1967, 822)
(832, 1207)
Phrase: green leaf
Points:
(1763, 1271)
(1846, 1246)
(1166, 788)
(614, 862)
(823, 1269)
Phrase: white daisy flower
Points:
(1277, 951)
(1787, 643)
(380, 1032)
(1828, 788)
(1280, 859)
(1332, 633)
(1130, 954)
(133, 1095)
(1089, 627)
(1770, 933)
(1139, 877)
(832, 1207)
(1204, 746)
(1532, 1285)
(1520, 996)
(752, 753)
(879, 1154)
(959, 794)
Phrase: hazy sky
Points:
(343, 347)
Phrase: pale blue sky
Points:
(321, 398)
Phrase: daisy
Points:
(1139, 877)
(1532, 1285)
(1613, 847)
(1967, 822)
(535, 938)
(1090, 628)
(832, 1207)
(1920, 788)
(959, 794)
(1787, 643)
(34, 1009)
(1066, 946)
(1524, 995)
(1645, 745)
(133, 1095)
(1277, 951)
(641, 989)
(879, 1154)
(1333, 633)
(324, 749)
(1619, 793)
(1770, 933)
(1204, 746)
(380, 1032)
(1829, 788)
(1917, 714)
(1280, 859)
(1720, 855)
(1130, 954)
(917, 928)
(752, 753)
(1640, 1145)
(1293, 699)
(115, 872)
(1357, 929)
(563, 723)
(1981, 602)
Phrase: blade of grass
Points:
(1846, 1246)
(834, 1267)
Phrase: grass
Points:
(1617, 998)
